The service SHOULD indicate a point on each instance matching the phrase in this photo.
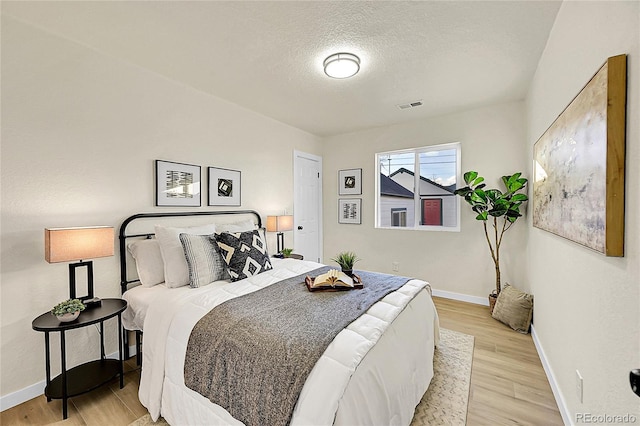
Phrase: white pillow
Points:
(149, 262)
(247, 225)
(176, 270)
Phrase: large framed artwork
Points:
(578, 189)
(177, 184)
(349, 210)
(224, 187)
(350, 182)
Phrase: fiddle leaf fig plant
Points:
(500, 209)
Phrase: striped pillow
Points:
(204, 262)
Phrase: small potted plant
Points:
(286, 252)
(346, 260)
(68, 310)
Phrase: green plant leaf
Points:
(478, 181)
(482, 216)
(462, 191)
(498, 211)
(515, 186)
(480, 194)
(493, 194)
(512, 214)
(470, 176)
(519, 197)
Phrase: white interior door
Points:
(307, 205)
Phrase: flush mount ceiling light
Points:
(341, 65)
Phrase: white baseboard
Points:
(23, 395)
(462, 297)
(37, 389)
(562, 405)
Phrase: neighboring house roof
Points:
(449, 188)
(392, 188)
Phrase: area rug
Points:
(446, 400)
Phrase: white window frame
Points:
(417, 201)
(399, 212)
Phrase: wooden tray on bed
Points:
(357, 284)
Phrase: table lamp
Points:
(79, 244)
(279, 224)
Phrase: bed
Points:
(375, 371)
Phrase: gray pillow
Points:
(204, 262)
(514, 308)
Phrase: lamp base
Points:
(94, 302)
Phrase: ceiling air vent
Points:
(408, 105)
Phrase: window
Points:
(433, 205)
(399, 217)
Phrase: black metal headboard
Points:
(124, 281)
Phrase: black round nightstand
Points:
(91, 375)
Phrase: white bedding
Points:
(138, 301)
(359, 383)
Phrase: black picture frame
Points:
(225, 187)
(350, 211)
(177, 184)
(350, 182)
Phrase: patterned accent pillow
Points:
(204, 262)
(245, 253)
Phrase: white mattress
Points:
(360, 383)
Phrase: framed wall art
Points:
(579, 161)
(177, 184)
(224, 187)
(350, 182)
(349, 210)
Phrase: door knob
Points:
(300, 228)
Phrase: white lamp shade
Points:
(342, 65)
(71, 244)
(279, 223)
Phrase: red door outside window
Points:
(432, 211)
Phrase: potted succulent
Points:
(500, 209)
(286, 252)
(346, 260)
(68, 310)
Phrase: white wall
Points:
(587, 306)
(80, 133)
(492, 143)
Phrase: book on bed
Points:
(333, 280)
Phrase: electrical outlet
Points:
(579, 386)
(395, 266)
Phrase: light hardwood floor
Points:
(508, 384)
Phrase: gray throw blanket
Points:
(252, 354)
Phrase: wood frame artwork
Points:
(579, 165)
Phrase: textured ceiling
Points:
(267, 56)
